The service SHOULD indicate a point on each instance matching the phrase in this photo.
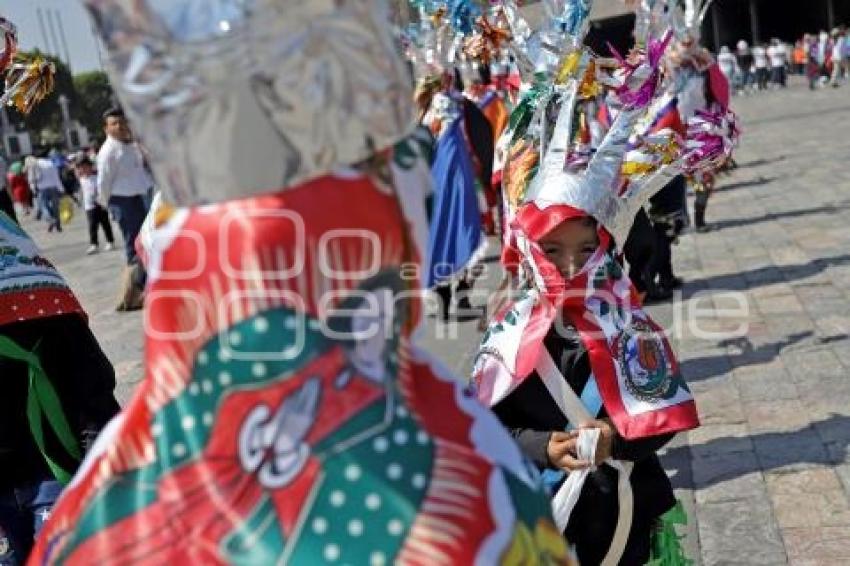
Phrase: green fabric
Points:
(42, 401)
(667, 543)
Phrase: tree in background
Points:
(95, 97)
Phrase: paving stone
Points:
(817, 545)
(740, 532)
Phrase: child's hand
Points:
(561, 451)
(605, 444)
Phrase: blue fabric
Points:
(592, 401)
(455, 231)
(23, 512)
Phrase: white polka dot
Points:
(313, 324)
(235, 338)
(380, 444)
(422, 437)
(223, 355)
(156, 429)
(401, 411)
(373, 501)
(355, 527)
(290, 323)
(207, 386)
(320, 525)
(203, 358)
(14, 307)
(352, 472)
(261, 325)
(258, 369)
(32, 297)
(59, 311)
(194, 389)
(377, 559)
(418, 481)
(179, 450)
(55, 301)
(224, 378)
(188, 422)
(207, 419)
(395, 527)
(331, 552)
(40, 311)
(337, 498)
(394, 471)
(400, 437)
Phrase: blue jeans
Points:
(23, 511)
(48, 204)
(130, 213)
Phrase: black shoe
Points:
(671, 282)
(658, 295)
(444, 292)
(463, 304)
(702, 229)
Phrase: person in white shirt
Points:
(760, 63)
(95, 213)
(44, 177)
(728, 63)
(777, 55)
(123, 180)
(838, 41)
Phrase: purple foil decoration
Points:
(712, 135)
(649, 65)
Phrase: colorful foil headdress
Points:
(316, 84)
(27, 80)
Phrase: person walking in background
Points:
(122, 179)
(6, 204)
(837, 56)
(760, 63)
(798, 58)
(19, 187)
(124, 183)
(95, 213)
(745, 64)
(777, 55)
(43, 175)
(728, 64)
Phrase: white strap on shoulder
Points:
(567, 496)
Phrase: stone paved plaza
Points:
(761, 328)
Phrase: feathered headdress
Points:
(27, 80)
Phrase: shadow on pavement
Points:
(707, 367)
(762, 276)
(760, 162)
(744, 184)
(771, 216)
(730, 457)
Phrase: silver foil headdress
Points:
(238, 97)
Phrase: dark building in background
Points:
(758, 21)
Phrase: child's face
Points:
(570, 244)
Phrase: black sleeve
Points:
(637, 450)
(534, 444)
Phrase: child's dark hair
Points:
(83, 161)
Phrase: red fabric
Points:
(536, 222)
(20, 189)
(718, 84)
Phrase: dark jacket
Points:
(531, 415)
(84, 381)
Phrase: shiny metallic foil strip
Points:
(238, 97)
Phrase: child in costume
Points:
(57, 383)
(584, 380)
(57, 389)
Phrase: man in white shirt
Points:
(760, 63)
(123, 180)
(777, 54)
